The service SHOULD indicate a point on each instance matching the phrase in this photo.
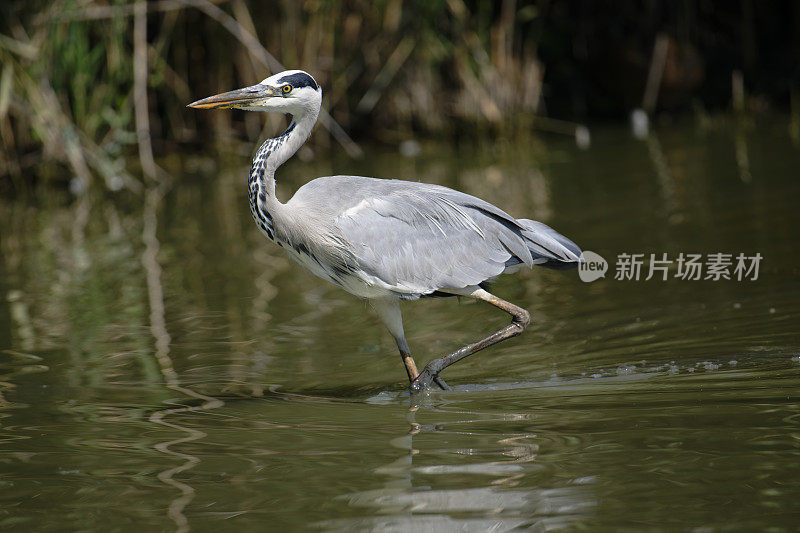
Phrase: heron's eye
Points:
(287, 89)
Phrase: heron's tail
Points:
(546, 243)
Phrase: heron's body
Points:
(387, 240)
(383, 238)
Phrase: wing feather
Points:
(418, 238)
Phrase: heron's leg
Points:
(389, 313)
(519, 321)
(408, 361)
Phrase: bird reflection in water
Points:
(411, 502)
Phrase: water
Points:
(164, 368)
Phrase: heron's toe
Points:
(441, 383)
(427, 381)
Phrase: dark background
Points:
(390, 70)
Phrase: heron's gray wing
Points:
(418, 238)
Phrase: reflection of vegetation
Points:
(81, 286)
(75, 279)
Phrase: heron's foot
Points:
(442, 384)
(428, 380)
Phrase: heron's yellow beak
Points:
(240, 98)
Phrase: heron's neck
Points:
(275, 152)
(272, 154)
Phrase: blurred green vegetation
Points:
(391, 70)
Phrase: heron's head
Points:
(291, 91)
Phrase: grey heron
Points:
(387, 240)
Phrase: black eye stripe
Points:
(299, 79)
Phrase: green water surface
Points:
(164, 367)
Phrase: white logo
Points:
(592, 266)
